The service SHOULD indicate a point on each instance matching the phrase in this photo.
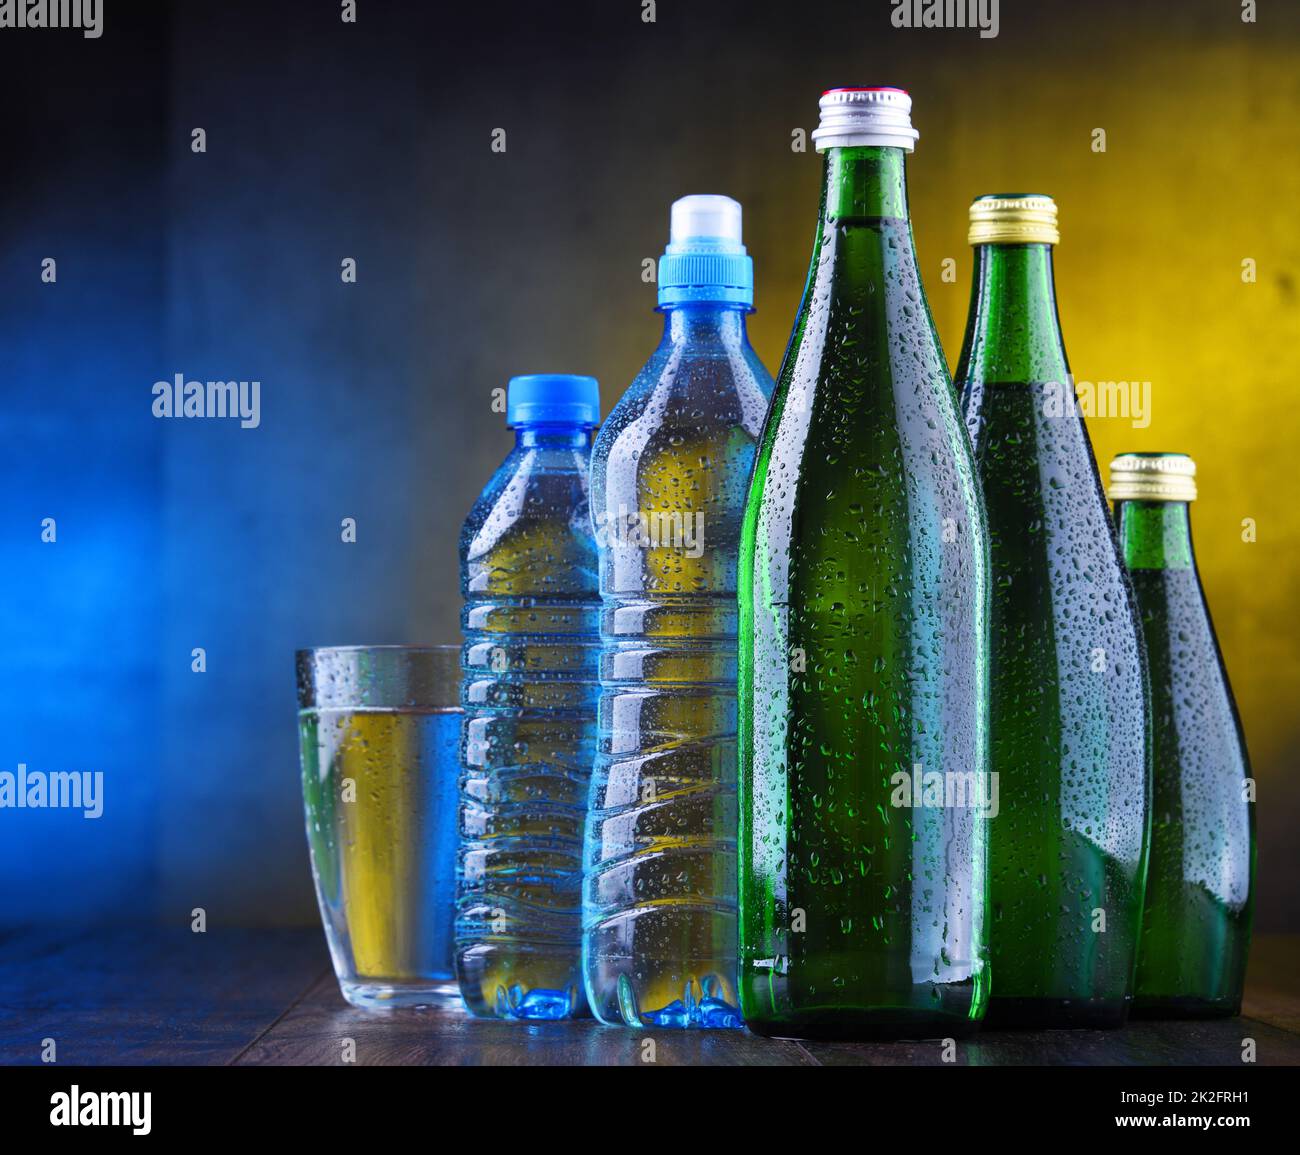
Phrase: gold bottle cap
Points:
(1153, 477)
(1013, 219)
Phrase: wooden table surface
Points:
(146, 996)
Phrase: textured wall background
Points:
(372, 141)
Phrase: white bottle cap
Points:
(705, 215)
(872, 117)
(705, 259)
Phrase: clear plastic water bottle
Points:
(528, 577)
(669, 476)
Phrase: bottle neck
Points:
(547, 436)
(1013, 333)
(1155, 534)
(864, 184)
(705, 322)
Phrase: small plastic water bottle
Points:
(670, 472)
(528, 577)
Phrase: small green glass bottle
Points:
(863, 638)
(1067, 696)
(1200, 884)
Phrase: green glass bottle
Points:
(1067, 692)
(1200, 884)
(864, 632)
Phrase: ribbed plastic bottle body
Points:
(530, 621)
(669, 475)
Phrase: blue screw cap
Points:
(553, 399)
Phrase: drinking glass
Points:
(379, 732)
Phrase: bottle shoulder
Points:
(1028, 417)
(1037, 468)
(864, 330)
(1057, 568)
(1189, 679)
(865, 442)
(529, 531)
(683, 387)
(687, 426)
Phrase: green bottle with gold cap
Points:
(1200, 884)
(1068, 730)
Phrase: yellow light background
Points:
(1201, 170)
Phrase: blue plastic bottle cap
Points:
(553, 399)
(705, 259)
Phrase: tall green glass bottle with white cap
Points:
(668, 479)
(1200, 882)
(864, 635)
(1067, 695)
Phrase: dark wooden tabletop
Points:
(132, 996)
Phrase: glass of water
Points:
(379, 733)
